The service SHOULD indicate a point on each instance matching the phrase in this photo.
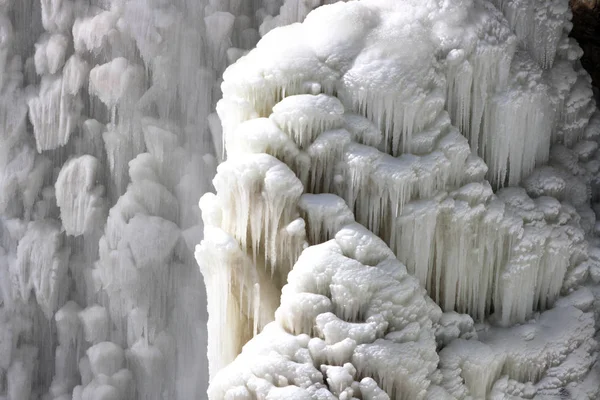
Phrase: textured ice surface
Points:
(105, 149)
(461, 137)
(406, 207)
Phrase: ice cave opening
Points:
(298, 199)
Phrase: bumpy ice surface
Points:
(406, 209)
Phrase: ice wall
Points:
(106, 145)
(108, 138)
(463, 136)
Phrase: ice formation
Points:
(450, 146)
(106, 145)
(405, 200)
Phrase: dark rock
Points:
(586, 30)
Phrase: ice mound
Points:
(352, 328)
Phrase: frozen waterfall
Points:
(106, 146)
(386, 199)
(407, 209)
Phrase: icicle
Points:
(67, 352)
(41, 267)
(539, 25)
(116, 81)
(363, 131)
(261, 135)
(513, 151)
(53, 113)
(398, 381)
(458, 361)
(325, 153)
(325, 215)
(95, 322)
(304, 117)
(256, 208)
(81, 203)
(414, 239)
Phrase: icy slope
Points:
(419, 120)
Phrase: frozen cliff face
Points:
(383, 148)
(106, 145)
(406, 208)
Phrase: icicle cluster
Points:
(417, 120)
(243, 287)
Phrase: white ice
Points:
(404, 206)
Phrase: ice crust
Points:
(450, 146)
